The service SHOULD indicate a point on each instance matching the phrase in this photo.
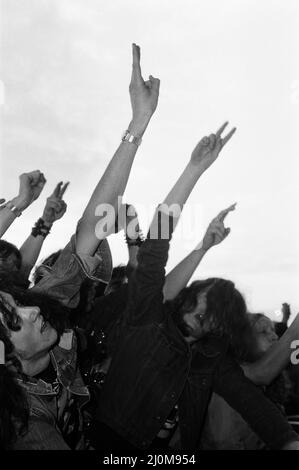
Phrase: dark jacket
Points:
(153, 368)
(50, 420)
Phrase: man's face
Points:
(35, 336)
(197, 326)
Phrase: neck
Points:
(35, 366)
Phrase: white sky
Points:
(65, 66)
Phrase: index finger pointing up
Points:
(221, 216)
(136, 72)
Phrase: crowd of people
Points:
(131, 358)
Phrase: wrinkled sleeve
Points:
(146, 283)
(256, 409)
(63, 280)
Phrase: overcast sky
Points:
(65, 66)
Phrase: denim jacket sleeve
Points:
(146, 283)
(41, 435)
(256, 409)
(63, 280)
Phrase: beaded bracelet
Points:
(40, 228)
(135, 241)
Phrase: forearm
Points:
(110, 187)
(6, 219)
(258, 411)
(264, 371)
(176, 198)
(30, 251)
(7, 216)
(184, 186)
(179, 277)
(32, 246)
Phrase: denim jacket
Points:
(49, 422)
(49, 418)
(153, 368)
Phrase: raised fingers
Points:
(221, 129)
(228, 136)
(136, 70)
(225, 139)
(222, 214)
(57, 189)
(63, 189)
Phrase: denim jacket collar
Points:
(64, 360)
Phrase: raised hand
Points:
(55, 207)
(208, 149)
(31, 185)
(144, 94)
(216, 231)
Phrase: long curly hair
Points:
(226, 313)
(6, 250)
(14, 405)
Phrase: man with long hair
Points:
(170, 355)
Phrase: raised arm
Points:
(180, 275)
(272, 363)
(146, 284)
(204, 154)
(54, 209)
(258, 411)
(31, 185)
(144, 99)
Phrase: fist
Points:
(31, 185)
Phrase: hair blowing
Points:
(226, 313)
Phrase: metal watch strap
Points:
(128, 137)
(9, 205)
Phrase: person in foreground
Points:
(41, 388)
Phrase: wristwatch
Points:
(128, 137)
(10, 205)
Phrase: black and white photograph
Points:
(149, 231)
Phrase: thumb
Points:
(155, 82)
(227, 232)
